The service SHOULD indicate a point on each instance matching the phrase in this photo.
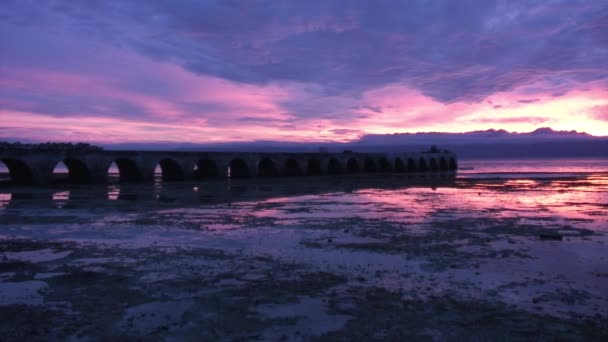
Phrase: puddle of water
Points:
(25, 292)
(43, 255)
(311, 318)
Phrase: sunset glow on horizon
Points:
(203, 72)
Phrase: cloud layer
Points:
(248, 70)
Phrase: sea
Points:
(500, 249)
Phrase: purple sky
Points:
(206, 71)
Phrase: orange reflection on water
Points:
(113, 192)
(577, 201)
(561, 202)
(520, 182)
(5, 199)
(61, 198)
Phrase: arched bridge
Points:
(36, 167)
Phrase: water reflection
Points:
(5, 199)
(113, 192)
(429, 237)
(575, 202)
(61, 198)
(125, 192)
(395, 199)
(196, 193)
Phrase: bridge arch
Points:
(267, 168)
(5, 175)
(238, 169)
(369, 165)
(411, 165)
(206, 168)
(61, 172)
(19, 171)
(422, 165)
(352, 166)
(433, 164)
(399, 166)
(128, 171)
(292, 167)
(171, 170)
(453, 165)
(334, 167)
(77, 171)
(443, 164)
(314, 167)
(384, 165)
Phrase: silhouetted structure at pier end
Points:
(34, 164)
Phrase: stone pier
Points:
(36, 167)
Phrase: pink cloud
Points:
(178, 105)
(179, 92)
(600, 113)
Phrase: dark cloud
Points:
(345, 131)
(70, 106)
(526, 101)
(535, 120)
(448, 50)
(258, 120)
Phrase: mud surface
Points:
(327, 259)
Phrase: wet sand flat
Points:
(391, 257)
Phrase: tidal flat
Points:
(386, 257)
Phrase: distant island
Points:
(540, 134)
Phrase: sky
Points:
(219, 71)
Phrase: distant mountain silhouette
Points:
(549, 131)
(490, 135)
(543, 142)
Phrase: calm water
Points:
(503, 249)
(531, 172)
(504, 168)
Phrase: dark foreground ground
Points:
(326, 259)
